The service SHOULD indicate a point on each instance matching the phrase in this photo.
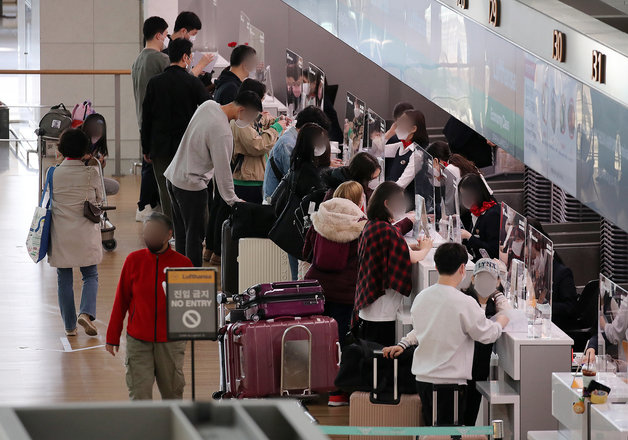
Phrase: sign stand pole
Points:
(193, 371)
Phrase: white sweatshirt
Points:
(206, 146)
(446, 322)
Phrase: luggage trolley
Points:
(107, 228)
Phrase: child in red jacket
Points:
(149, 354)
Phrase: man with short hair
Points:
(171, 99)
(187, 26)
(149, 353)
(205, 150)
(149, 62)
(242, 62)
(278, 163)
(445, 324)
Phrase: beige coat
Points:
(74, 240)
(254, 146)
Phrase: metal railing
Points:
(117, 101)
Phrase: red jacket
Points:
(138, 293)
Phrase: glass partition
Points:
(374, 141)
(353, 126)
(612, 328)
(512, 236)
(424, 179)
(449, 191)
(294, 83)
(315, 92)
(539, 259)
(207, 10)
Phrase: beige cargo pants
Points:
(147, 361)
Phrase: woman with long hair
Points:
(95, 127)
(481, 219)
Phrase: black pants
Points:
(189, 210)
(218, 212)
(382, 332)
(149, 192)
(473, 398)
(251, 194)
(208, 226)
(445, 402)
(160, 164)
(342, 314)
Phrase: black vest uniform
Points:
(395, 167)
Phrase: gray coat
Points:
(74, 240)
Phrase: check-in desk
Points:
(522, 395)
(607, 421)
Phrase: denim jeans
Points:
(294, 267)
(66, 294)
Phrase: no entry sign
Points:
(191, 299)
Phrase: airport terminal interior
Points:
(313, 219)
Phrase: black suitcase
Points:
(228, 261)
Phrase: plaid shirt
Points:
(384, 262)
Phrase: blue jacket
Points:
(280, 153)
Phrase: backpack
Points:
(54, 122)
(80, 112)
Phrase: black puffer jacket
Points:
(332, 178)
(227, 86)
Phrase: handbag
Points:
(286, 233)
(38, 239)
(91, 212)
(279, 197)
(251, 220)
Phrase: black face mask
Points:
(155, 248)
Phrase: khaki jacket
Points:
(254, 146)
(74, 240)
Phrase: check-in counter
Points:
(607, 421)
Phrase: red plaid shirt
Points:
(384, 262)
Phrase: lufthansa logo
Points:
(558, 46)
(493, 12)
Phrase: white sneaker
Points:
(87, 324)
(141, 216)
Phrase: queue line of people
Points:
(359, 227)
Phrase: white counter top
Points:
(609, 421)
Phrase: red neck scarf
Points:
(406, 144)
(481, 210)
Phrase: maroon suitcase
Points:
(284, 356)
(287, 298)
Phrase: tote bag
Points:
(38, 239)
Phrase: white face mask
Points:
(319, 150)
(517, 246)
(192, 38)
(166, 42)
(305, 88)
(484, 286)
(402, 134)
(374, 183)
(240, 123)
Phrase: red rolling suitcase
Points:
(283, 356)
(286, 298)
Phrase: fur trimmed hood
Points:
(339, 220)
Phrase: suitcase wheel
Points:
(255, 317)
(217, 395)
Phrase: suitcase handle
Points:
(445, 387)
(373, 395)
(339, 353)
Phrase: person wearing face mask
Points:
(481, 218)
(205, 151)
(187, 26)
(150, 355)
(171, 99)
(485, 289)
(445, 325)
(384, 264)
(400, 167)
(95, 128)
(363, 168)
(332, 243)
(150, 62)
(310, 155)
(252, 142)
(242, 62)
